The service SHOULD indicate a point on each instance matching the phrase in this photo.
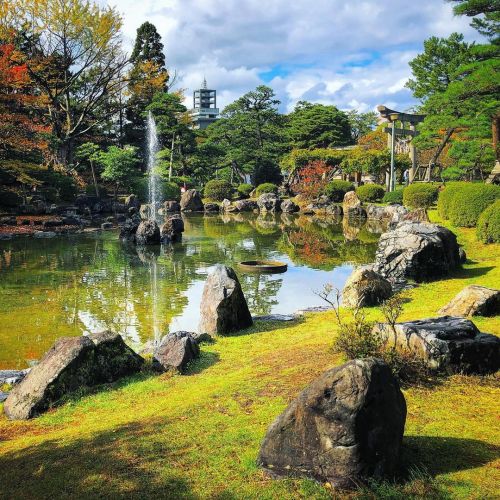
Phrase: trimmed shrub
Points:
(420, 195)
(10, 199)
(393, 197)
(244, 190)
(335, 190)
(467, 205)
(370, 192)
(218, 190)
(267, 187)
(446, 197)
(166, 190)
(488, 224)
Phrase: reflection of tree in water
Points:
(261, 291)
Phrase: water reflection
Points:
(83, 283)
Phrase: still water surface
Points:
(82, 283)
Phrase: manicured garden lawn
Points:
(197, 435)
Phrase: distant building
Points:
(205, 110)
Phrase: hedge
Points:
(446, 197)
(420, 195)
(467, 205)
(267, 187)
(370, 192)
(393, 197)
(245, 190)
(218, 190)
(488, 225)
(335, 190)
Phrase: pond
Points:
(81, 283)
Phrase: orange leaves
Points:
(311, 179)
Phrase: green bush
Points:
(218, 190)
(335, 190)
(488, 225)
(393, 197)
(370, 192)
(446, 197)
(244, 190)
(10, 199)
(267, 187)
(420, 195)
(166, 190)
(467, 205)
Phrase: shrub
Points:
(335, 190)
(267, 187)
(10, 199)
(420, 195)
(311, 180)
(467, 205)
(488, 225)
(166, 190)
(218, 190)
(446, 197)
(244, 190)
(393, 197)
(370, 192)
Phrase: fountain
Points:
(153, 148)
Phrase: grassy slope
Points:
(198, 435)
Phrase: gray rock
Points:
(448, 343)
(355, 212)
(202, 337)
(211, 208)
(351, 200)
(346, 426)
(145, 211)
(365, 288)
(3, 396)
(269, 202)
(223, 305)
(462, 255)
(289, 207)
(12, 377)
(191, 201)
(148, 233)
(171, 206)
(416, 215)
(246, 205)
(417, 251)
(474, 300)
(8, 221)
(132, 201)
(6, 236)
(44, 234)
(172, 229)
(227, 206)
(107, 225)
(175, 351)
(129, 228)
(276, 317)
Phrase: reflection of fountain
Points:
(153, 148)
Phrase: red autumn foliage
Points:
(311, 179)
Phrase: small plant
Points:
(488, 225)
(393, 197)
(335, 190)
(218, 190)
(370, 192)
(420, 195)
(267, 187)
(244, 190)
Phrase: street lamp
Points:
(393, 118)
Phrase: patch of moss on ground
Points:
(197, 435)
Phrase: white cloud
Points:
(351, 54)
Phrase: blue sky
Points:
(353, 54)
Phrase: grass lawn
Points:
(197, 435)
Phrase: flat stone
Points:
(44, 234)
(275, 317)
(12, 377)
(474, 300)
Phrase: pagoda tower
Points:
(205, 109)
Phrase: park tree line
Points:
(73, 104)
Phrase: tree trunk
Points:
(94, 178)
(438, 152)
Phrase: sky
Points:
(353, 54)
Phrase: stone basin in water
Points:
(263, 266)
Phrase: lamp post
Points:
(393, 117)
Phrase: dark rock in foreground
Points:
(175, 351)
(71, 364)
(345, 427)
(448, 344)
(365, 288)
(417, 251)
(474, 300)
(148, 233)
(223, 306)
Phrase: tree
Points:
(361, 123)
(73, 55)
(90, 153)
(489, 10)
(119, 165)
(250, 132)
(313, 126)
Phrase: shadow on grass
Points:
(474, 272)
(205, 360)
(262, 326)
(124, 462)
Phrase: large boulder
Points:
(474, 300)
(269, 202)
(191, 201)
(172, 229)
(386, 213)
(351, 200)
(211, 208)
(148, 233)
(246, 205)
(417, 251)
(227, 206)
(132, 201)
(345, 427)
(223, 306)
(448, 343)
(289, 207)
(129, 228)
(175, 351)
(171, 206)
(71, 364)
(365, 288)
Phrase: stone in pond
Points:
(175, 351)
(474, 300)
(351, 200)
(346, 426)
(223, 306)
(211, 208)
(269, 202)
(191, 201)
(449, 344)
(148, 233)
(172, 229)
(246, 205)
(365, 288)
(289, 207)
